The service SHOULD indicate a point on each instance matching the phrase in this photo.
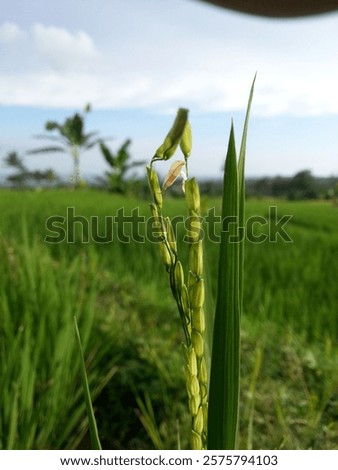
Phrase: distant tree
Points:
(13, 160)
(303, 186)
(280, 186)
(71, 139)
(23, 176)
(335, 194)
(120, 166)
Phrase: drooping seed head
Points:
(203, 371)
(194, 404)
(193, 362)
(198, 319)
(193, 228)
(197, 294)
(198, 421)
(197, 342)
(169, 146)
(166, 255)
(194, 386)
(186, 141)
(179, 276)
(196, 441)
(192, 195)
(155, 187)
(196, 258)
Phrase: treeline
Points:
(119, 179)
(70, 137)
(303, 185)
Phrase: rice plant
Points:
(189, 295)
(213, 407)
(290, 311)
(41, 404)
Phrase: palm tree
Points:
(71, 139)
(120, 165)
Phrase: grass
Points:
(289, 395)
(41, 400)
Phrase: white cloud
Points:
(10, 32)
(208, 67)
(63, 50)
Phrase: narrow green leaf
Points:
(241, 159)
(94, 436)
(225, 364)
(224, 376)
(241, 184)
(147, 418)
(46, 150)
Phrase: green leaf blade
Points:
(241, 183)
(94, 436)
(225, 363)
(224, 377)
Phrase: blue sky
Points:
(138, 61)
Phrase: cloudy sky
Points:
(137, 61)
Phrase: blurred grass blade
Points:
(14, 414)
(147, 418)
(224, 376)
(94, 436)
(259, 353)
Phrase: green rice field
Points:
(100, 263)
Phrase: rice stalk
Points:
(222, 411)
(188, 293)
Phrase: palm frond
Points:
(46, 150)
